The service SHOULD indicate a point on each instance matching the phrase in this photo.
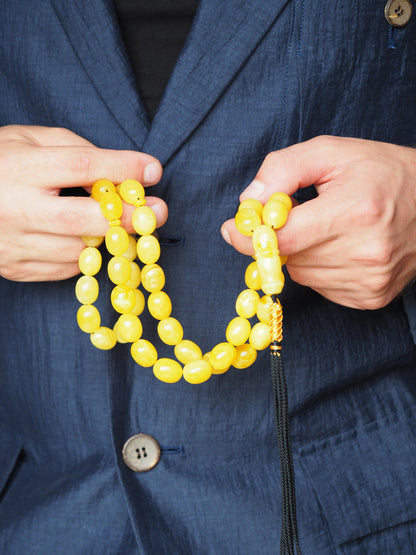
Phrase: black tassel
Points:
(289, 540)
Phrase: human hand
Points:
(355, 243)
(40, 231)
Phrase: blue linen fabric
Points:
(253, 77)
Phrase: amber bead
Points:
(153, 277)
(281, 197)
(100, 187)
(90, 261)
(197, 371)
(144, 353)
(144, 220)
(111, 206)
(186, 351)
(252, 277)
(116, 240)
(167, 370)
(148, 249)
(221, 357)
(247, 220)
(246, 303)
(170, 331)
(119, 270)
(140, 302)
(252, 203)
(275, 214)
(131, 191)
(159, 305)
(260, 336)
(246, 355)
(86, 289)
(135, 276)
(103, 338)
(129, 327)
(263, 309)
(238, 331)
(123, 299)
(88, 318)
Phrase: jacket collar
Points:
(223, 36)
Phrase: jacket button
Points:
(141, 452)
(398, 12)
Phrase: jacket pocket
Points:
(365, 483)
(10, 449)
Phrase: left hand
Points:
(355, 243)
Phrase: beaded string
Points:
(242, 339)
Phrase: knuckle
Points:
(82, 165)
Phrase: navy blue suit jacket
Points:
(253, 77)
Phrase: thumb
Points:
(287, 170)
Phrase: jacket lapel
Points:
(223, 36)
(93, 32)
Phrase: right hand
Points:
(40, 231)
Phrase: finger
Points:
(43, 136)
(31, 271)
(78, 216)
(233, 237)
(287, 170)
(80, 166)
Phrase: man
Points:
(252, 79)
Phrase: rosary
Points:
(242, 339)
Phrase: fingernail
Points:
(226, 236)
(254, 190)
(152, 173)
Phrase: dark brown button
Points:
(141, 452)
(398, 12)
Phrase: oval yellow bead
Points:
(90, 261)
(281, 197)
(118, 336)
(275, 214)
(186, 351)
(111, 206)
(119, 270)
(86, 289)
(170, 331)
(221, 357)
(123, 299)
(88, 318)
(246, 303)
(263, 309)
(252, 277)
(246, 355)
(117, 240)
(92, 241)
(131, 252)
(247, 220)
(144, 220)
(159, 305)
(103, 338)
(135, 276)
(238, 331)
(148, 249)
(260, 336)
(129, 327)
(131, 191)
(144, 353)
(197, 371)
(153, 277)
(140, 303)
(167, 370)
(100, 187)
(252, 203)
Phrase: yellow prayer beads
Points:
(242, 339)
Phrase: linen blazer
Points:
(253, 77)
